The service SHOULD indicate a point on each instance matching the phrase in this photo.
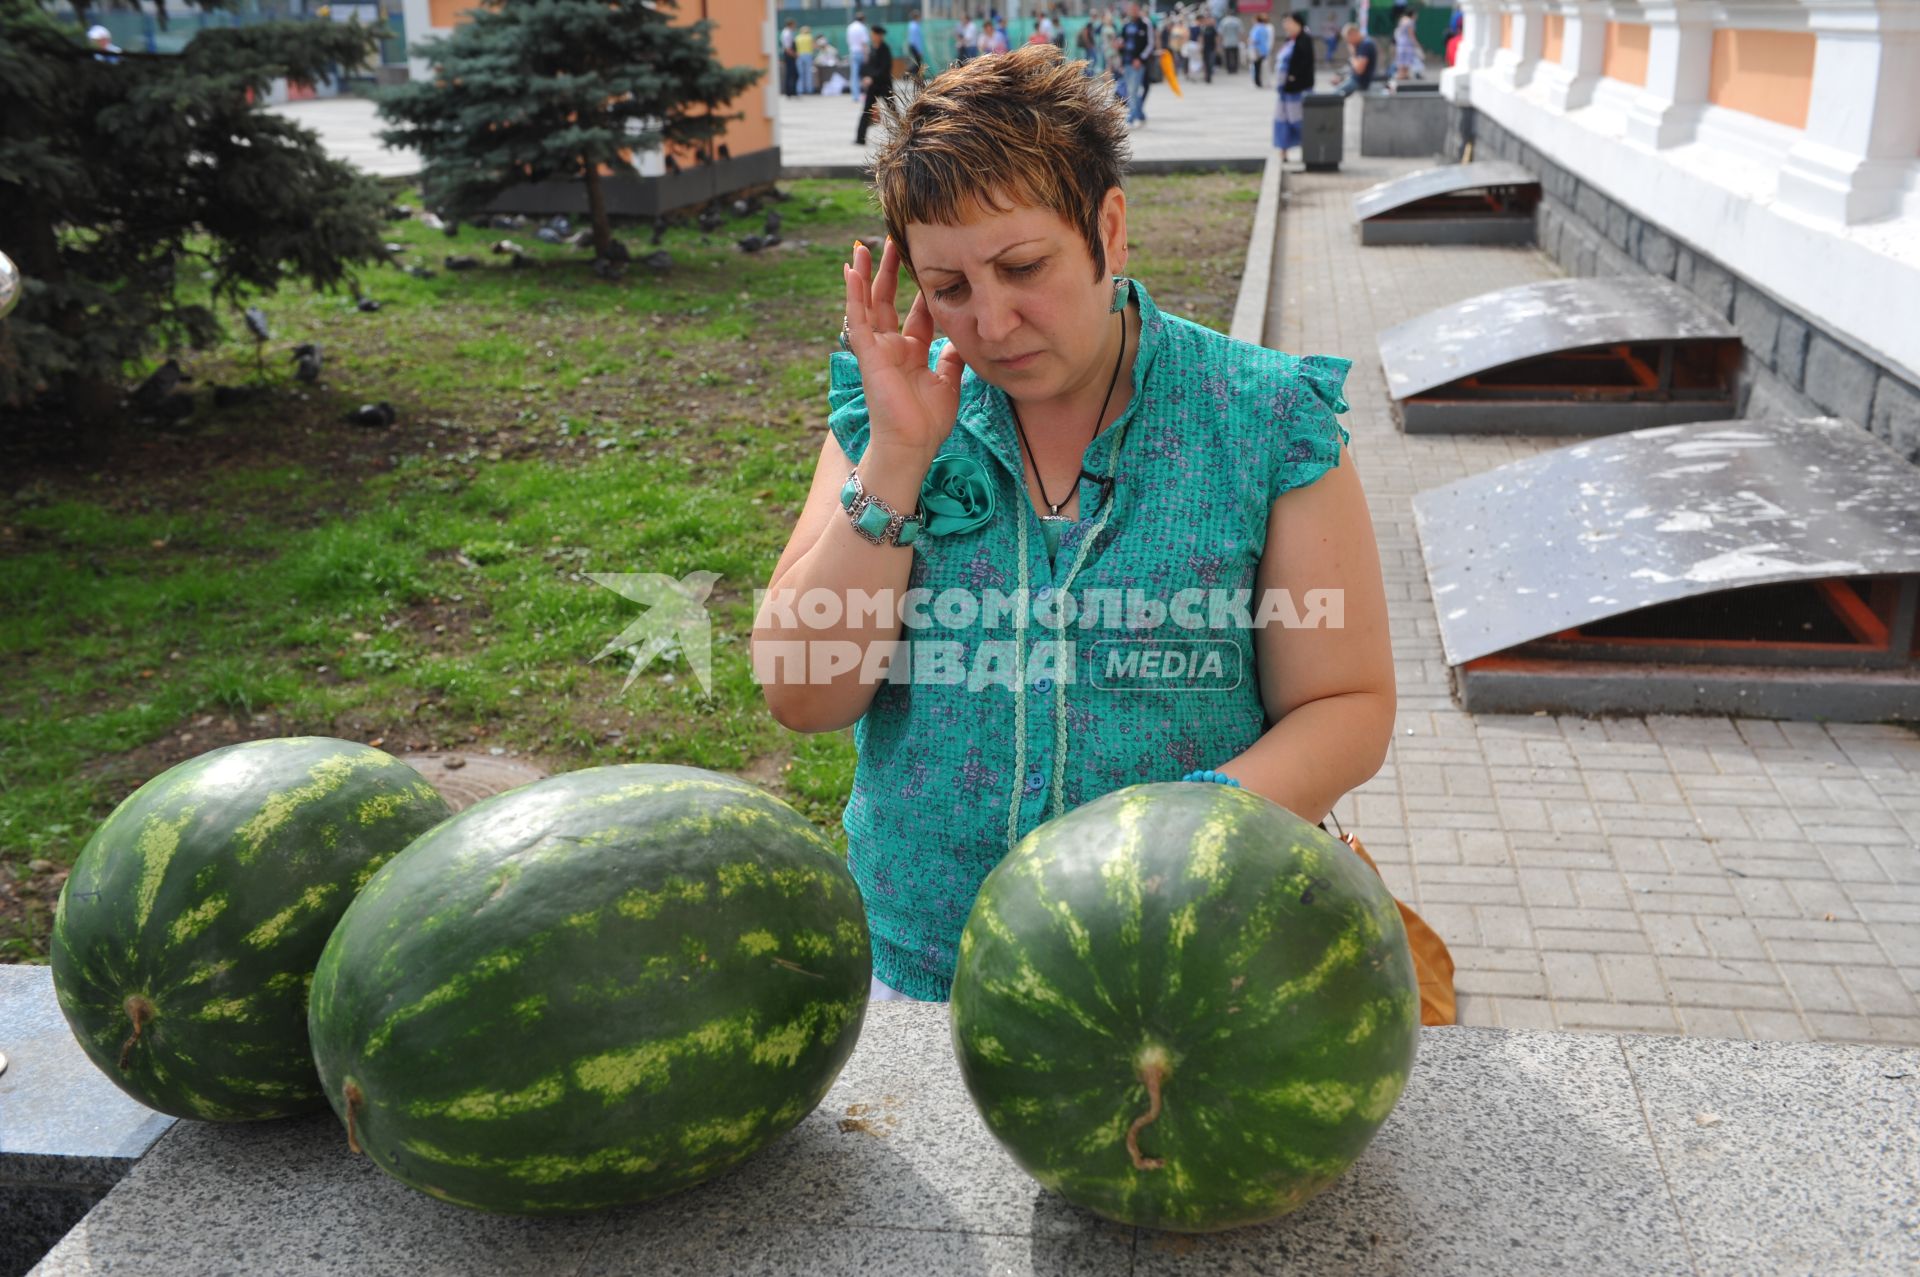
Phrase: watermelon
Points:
(1182, 1007)
(596, 989)
(187, 934)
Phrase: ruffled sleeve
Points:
(1309, 435)
(847, 404)
(847, 399)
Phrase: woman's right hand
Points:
(910, 407)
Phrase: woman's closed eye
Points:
(1025, 271)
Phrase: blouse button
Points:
(1043, 684)
(1036, 780)
(1044, 591)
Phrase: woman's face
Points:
(1291, 25)
(1016, 294)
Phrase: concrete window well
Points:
(1763, 569)
(1563, 357)
(1488, 202)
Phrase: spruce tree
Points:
(140, 195)
(543, 90)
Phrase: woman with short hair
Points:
(1078, 486)
(1293, 70)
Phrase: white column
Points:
(419, 19)
(1863, 119)
(1522, 61)
(1679, 56)
(1479, 41)
(1569, 83)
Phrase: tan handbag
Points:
(1431, 961)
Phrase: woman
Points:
(1293, 71)
(803, 54)
(1407, 62)
(1068, 445)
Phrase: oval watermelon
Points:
(186, 935)
(1183, 1007)
(597, 989)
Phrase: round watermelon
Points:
(1180, 1006)
(597, 989)
(187, 934)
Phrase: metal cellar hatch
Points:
(1769, 569)
(1563, 357)
(1488, 202)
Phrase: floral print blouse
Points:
(1005, 717)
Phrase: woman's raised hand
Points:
(910, 407)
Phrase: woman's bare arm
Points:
(1328, 689)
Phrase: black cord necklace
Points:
(1053, 514)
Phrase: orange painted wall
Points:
(1553, 37)
(1625, 57)
(446, 13)
(1506, 30)
(1763, 73)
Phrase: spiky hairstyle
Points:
(1009, 130)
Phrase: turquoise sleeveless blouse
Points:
(953, 772)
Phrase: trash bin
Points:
(1323, 131)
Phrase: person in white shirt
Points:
(858, 42)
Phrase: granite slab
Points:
(1509, 1153)
(67, 1134)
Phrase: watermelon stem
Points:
(353, 1101)
(1152, 1071)
(139, 1010)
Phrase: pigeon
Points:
(659, 230)
(452, 229)
(158, 385)
(772, 224)
(606, 270)
(751, 244)
(431, 221)
(366, 305)
(560, 224)
(776, 194)
(421, 272)
(741, 208)
(725, 154)
(548, 235)
(520, 260)
(673, 165)
(617, 252)
(508, 246)
(710, 220)
(661, 260)
(513, 222)
(257, 324)
(463, 263)
(773, 241)
(393, 248)
(375, 415)
(397, 213)
(308, 369)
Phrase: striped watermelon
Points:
(186, 936)
(1183, 1007)
(597, 989)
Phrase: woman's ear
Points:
(1113, 230)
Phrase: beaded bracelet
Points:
(1220, 778)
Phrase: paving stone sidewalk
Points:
(1709, 876)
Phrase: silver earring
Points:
(1119, 296)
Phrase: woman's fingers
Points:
(920, 320)
(886, 285)
(859, 331)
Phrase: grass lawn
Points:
(268, 569)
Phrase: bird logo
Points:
(676, 621)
